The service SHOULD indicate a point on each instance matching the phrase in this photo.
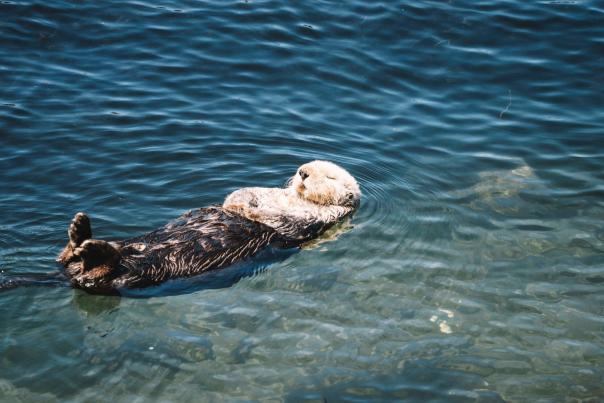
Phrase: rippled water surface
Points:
(474, 269)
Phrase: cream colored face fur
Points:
(320, 191)
(325, 183)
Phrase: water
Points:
(473, 270)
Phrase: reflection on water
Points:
(472, 271)
(89, 305)
(330, 235)
(499, 190)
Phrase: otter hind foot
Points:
(79, 229)
(95, 253)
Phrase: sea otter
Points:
(318, 195)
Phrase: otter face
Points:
(325, 183)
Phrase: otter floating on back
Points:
(318, 196)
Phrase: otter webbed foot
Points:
(95, 254)
(79, 231)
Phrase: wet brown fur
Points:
(199, 241)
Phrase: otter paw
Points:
(79, 229)
(94, 253)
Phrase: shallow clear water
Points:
(474, 269)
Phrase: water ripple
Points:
(471, 271)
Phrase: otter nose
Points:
(303, 174)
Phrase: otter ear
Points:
(349, 196)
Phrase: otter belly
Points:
(282, 210)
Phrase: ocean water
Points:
(473, 271)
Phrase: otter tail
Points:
(33, 280)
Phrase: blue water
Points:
(473, 270)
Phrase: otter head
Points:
(325, 183)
